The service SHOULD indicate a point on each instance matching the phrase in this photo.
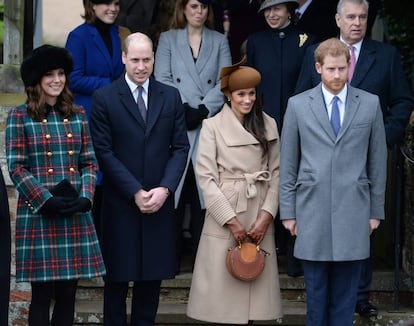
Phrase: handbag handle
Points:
(257, 248)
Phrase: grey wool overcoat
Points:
(231, 170)
(333, 185)
(198, 82)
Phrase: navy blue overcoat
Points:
(134, 156)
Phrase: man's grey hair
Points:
(341, 4)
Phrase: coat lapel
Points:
(318, 108)
(365, 60)
(187, 57)
(205, 50)
(100, 45)
(155, 104)
(128, 101)
(351, 108)
(234, 134)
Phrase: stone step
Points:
(174, 297)
(382, 289)
(173, 313)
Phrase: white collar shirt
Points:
(328, 97)
(357, 48)
(134, 90)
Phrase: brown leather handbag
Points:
(246, 261)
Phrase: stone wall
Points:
(12, 94)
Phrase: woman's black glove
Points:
(194, 117)
(78, 205)
(54, 205)
(203, 111)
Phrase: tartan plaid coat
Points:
(39, 155)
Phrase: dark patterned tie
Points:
(335, 119)
(141, 104)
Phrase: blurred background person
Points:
(317, 17)
(238, 19)
(239, 150)
(96, 47)
(189, 57)
(277, 53)
(47, 141)
(138, 15)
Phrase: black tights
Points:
(64, 294)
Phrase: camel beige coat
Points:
(231, 168)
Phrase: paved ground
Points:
(59, 18)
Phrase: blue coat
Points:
(134, 156)
(93, 66)
(279, 61)
(378, 71)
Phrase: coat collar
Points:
(365, 61)
(195, 68)
(100, 45)
(318, 107)
(155, 103)
(234, 134)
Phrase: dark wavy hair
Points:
(179, 21)
(37, 107)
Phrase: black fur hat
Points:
(43, 59)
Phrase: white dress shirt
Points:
(328, 97)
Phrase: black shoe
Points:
(365, 309)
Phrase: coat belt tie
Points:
(250, 190)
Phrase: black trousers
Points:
(189, 196)
(64, 293)
(145, 299)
